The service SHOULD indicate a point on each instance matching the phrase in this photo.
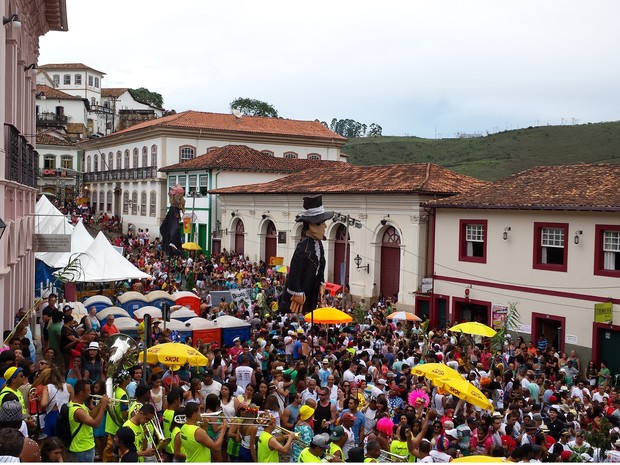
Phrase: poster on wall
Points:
(603, 312)
(498, 316)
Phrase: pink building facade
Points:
(24, 22)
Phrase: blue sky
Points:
(420, 68)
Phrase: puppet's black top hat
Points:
(313, 211)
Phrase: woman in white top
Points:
(228, 403)
(157, 394)
(54, 395)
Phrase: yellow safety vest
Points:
(84, 440)
(194, 451)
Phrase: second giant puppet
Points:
(305, 283)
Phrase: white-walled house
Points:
(56, 109)
(384, 202)
(59, 166)
(227, 166)
(25, 22)
(121, 170)
(547, 239)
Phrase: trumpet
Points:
(389, 457)
(112, 400)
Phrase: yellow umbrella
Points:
(328, 316)
(479, 458)
(282, 269)
(434, 371)
(463, 389)
(191, 246)
(175, 354)
(473, 327)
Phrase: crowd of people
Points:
(291, 392)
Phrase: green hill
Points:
(498, 155)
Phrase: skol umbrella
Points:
(473, 327)
(463, 389)
(434, 371)
(403, 316)
(328, 316)
(191, 246)
(175, 354)
(282, 269)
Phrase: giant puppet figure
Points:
(170, 230)
(305, 283)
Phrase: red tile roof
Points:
(244, 158)
(245, 124)
(48, 139)
(565, 187)
(68, 66)
(113, 91)
(422, 178)
(50, 92)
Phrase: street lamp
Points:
(358, 263)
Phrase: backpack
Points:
(63, 426)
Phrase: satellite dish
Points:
(237, 113)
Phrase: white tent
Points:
(50, 220)
(100, 263)
(80, 241)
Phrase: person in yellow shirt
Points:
(138, 424)
(173, 403)
(82, 421)
(373, 451)
(121, 380)
(14, 378)
(316, 450)
(338, 439)
(197, 443)
(269, 447)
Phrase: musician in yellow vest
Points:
(373, 451)
(121, 380)
(195, 440)
(337, 440)
(82, 421)
(316, 450)
(138, 423)
(268, 446)
(173, 403)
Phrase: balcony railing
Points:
(21, 158)
(51, 119)
(149, 172)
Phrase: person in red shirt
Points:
(109, 327)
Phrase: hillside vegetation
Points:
(498, 155)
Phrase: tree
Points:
(253, 107)
(144, 95)
(351, 128)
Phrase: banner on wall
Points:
(604, 313)
(498, 316)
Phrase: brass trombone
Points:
(112, 400)
(389, 457)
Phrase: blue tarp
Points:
(43, 277)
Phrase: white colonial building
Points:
(387, 226)
(546, 239)
(59, 165)
(121, 170)
(26, 21)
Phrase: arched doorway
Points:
(390, 262)
(340, 249)
(239, 238)
(271, 241)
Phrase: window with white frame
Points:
(90, 81)
(96, 162)
(145, 157)
(126, 161)
(88, 164)
(119, 160)
(125, 202)
(101, 201)
(135, 157)
(134, 203)
(110, 161)
(77, 79)
(193, 180)
(97, 82)
(611, 250)
(290, 155)
(187, 153)
(182, 182)
(204, 184)
(66, 79)
(56, 79)
(172, 181)
(552, 243)
(267, 152)
(314, 156)
(109, 201)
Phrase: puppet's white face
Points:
(316, 231)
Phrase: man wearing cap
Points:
(359, 421)
(316, 450)
(337, 440)
(14, 378)
(324, 372)
(209, 385)
(306, 279)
